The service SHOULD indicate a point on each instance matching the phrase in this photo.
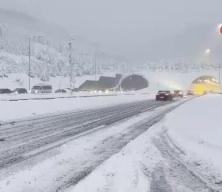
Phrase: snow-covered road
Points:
(181, 153)
(54, 152)
(24, 136)
(18, 109)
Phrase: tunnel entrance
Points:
(205, 84)
(134, 82)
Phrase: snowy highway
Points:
(19, 138)
(110, 96)
(27, 141)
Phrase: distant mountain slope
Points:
(48, 45)
(49, 48)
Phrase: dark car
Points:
(20, 91)
(164, 96)
(5, 91)
(178, 93)
(190, 92)
(60, 91)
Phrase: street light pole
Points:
(220, 31)
(96, 48)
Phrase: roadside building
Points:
(104, 83)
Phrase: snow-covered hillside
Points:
(15, 31)
(49, 49)
(50, 58)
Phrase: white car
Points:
(41, 88)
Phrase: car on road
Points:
(20, 91)
(178, 93)
(5, 91)
(190, 92)
(60, 91)
(164, 95)
(41, 88)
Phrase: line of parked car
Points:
(37, 89)
(16, 91)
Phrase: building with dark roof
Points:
(104, 83)
(88, 85)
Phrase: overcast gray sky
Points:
(132, 28)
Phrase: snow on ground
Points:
(49, 171)
(193, 128)
(196, 129)
(22, 109)
(183, 152)
(125, 171)
(16, 97)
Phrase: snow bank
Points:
(128, 170)
(28, 108)
(50, 170)
(193, 127)
(196, 128)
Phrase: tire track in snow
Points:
(45, 132)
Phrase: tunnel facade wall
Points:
(205, 84)
(134, 82)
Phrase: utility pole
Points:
(70, 65)
(95, 66)
(29, 72)
(220, 32)
(96, 46)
